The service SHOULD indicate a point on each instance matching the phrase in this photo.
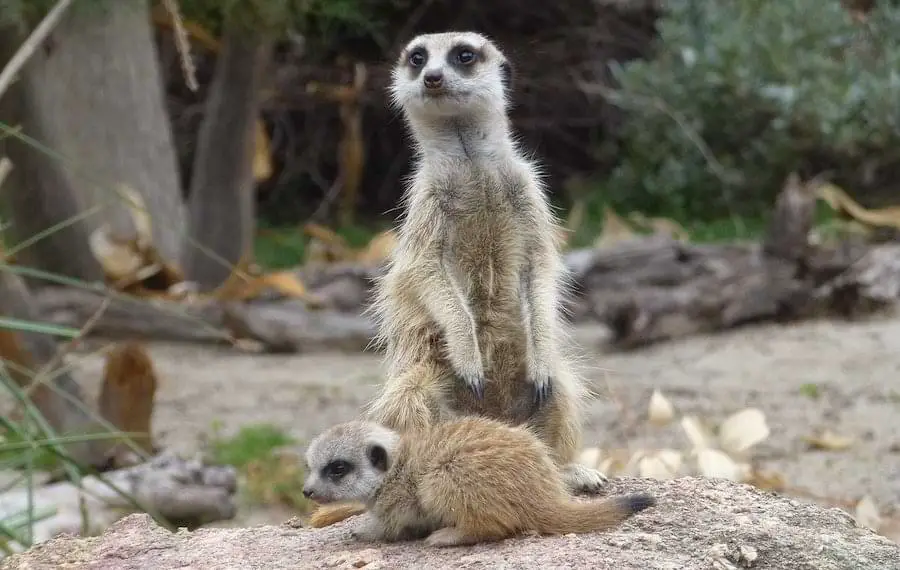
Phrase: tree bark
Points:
(93, 95)
(221, 203)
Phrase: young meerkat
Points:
(460, 482)
(469, 309)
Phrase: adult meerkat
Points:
(458, 482)
(469, 309)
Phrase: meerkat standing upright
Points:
(469, 309)
(458, 482)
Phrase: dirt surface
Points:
(854, 366)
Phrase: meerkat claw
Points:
(476, 385)
(543, 390)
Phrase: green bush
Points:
(741, 92)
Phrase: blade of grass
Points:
(40, 328)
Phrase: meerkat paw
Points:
(367, 530)
(541, 384)
(449, 536)
(582, 479)
(475, 383)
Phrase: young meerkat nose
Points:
(433, 79)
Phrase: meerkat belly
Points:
(489, 245)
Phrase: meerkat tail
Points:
(590, 516)
(327, 515)
(411, 400)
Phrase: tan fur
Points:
(127, 395)
(471, 301)
(327, 515)
(460, 482)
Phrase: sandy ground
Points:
(856, 367)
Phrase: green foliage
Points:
(741, 92)
(315, 18)
(811, 391)
(251, 443)
(282, 248)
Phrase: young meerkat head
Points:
(347, 462)
(451, 73)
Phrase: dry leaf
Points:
(660, 226)
(698, 435)
(140, 215)
(615, 229)
(829, 441)
(715, 463)
(770, 480)
(743, 430)
(632, 465)
(117, 259)
(262, 154)
(661, 410)
(664, 464)
(590, 457)
(866, 513)
(379, 248)
(839, 201)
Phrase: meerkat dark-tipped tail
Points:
(590, 516)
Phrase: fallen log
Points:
(652, 289)
(646, 289)
(182, 492)
(280, 325)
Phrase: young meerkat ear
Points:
(378, 457)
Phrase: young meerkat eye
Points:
(337, 469)
(465, 56)
(417, 58)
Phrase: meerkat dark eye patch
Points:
(463, 56)
(378, 457)
(417, 57)
(337, 469)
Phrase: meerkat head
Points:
(348, 461)
(449, 74)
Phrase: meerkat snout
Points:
(433, 79)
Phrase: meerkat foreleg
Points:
(369, 529)
(444, 299)
(540, 300)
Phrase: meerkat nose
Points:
(433, 79)
(307, 493)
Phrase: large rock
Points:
(698, 524)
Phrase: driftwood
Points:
(183, 492)
(277, 325)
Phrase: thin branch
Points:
(6, 167)
(37, 37)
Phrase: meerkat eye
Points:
(337, 469)
(465, 56)
(417, 58)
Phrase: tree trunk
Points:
(221, 203)
(92, 94)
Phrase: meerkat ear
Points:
(378, 457)
(506, 75)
